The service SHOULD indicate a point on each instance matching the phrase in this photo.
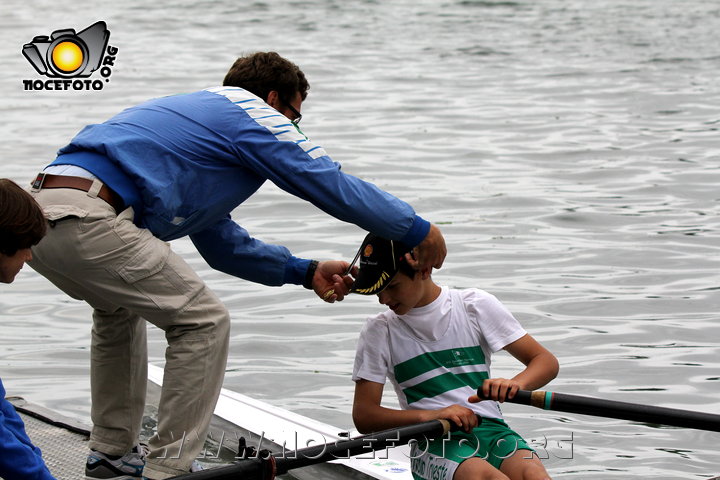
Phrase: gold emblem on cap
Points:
(368, 250)
(377, 286)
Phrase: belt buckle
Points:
(39, 180)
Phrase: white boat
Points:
(279, 430)
(63, 441)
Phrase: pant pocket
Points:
(148, 261)
(58, 212)
(162, 277)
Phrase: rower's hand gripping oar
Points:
(268, 466)
(598, 407)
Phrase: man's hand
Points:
(430, 253)
(331, 281)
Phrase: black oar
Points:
(266, 468)
(598, 407)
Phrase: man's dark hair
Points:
(22, 223)
(262, 72)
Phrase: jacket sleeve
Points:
(228, 247)
(19, 458)
(286, 157)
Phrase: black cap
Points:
(379, 262)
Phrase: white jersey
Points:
(439, 354)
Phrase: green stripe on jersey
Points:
(444, 383)
(453, 357)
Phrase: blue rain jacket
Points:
(184, 162)
(19, 458)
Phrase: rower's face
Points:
(402, 294)
(12, 264)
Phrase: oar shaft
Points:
(359, 445)
(253, 468)
(249, 469)
(563, 402)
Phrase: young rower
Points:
(434, 344)
(22, 225)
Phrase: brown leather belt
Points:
(45, 180)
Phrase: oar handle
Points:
(534, 398)
(599, 407)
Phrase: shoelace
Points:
(142, 450)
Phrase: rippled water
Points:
(568, 150)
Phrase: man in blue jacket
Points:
(21, 226)
(178, 166)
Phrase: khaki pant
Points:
(128, 276)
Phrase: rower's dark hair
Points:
(263, 72)
(22, 223)
(405, 268)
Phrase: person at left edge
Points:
(173, 167)
(22, 225)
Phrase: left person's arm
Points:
(229, 248)
(541, 367)
(296, 165)
(330, 281)
(19, 458)
(351, 199)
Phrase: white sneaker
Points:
(108, 467)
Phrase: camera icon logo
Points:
(68, 54)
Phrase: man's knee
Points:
(206, 314)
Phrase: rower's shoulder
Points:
(378, 322)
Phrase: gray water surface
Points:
(568, 150)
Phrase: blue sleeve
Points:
(277, 151)
(350, 199)
(19, 458)
(284, 156)
(321, 182)
(229, 248)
